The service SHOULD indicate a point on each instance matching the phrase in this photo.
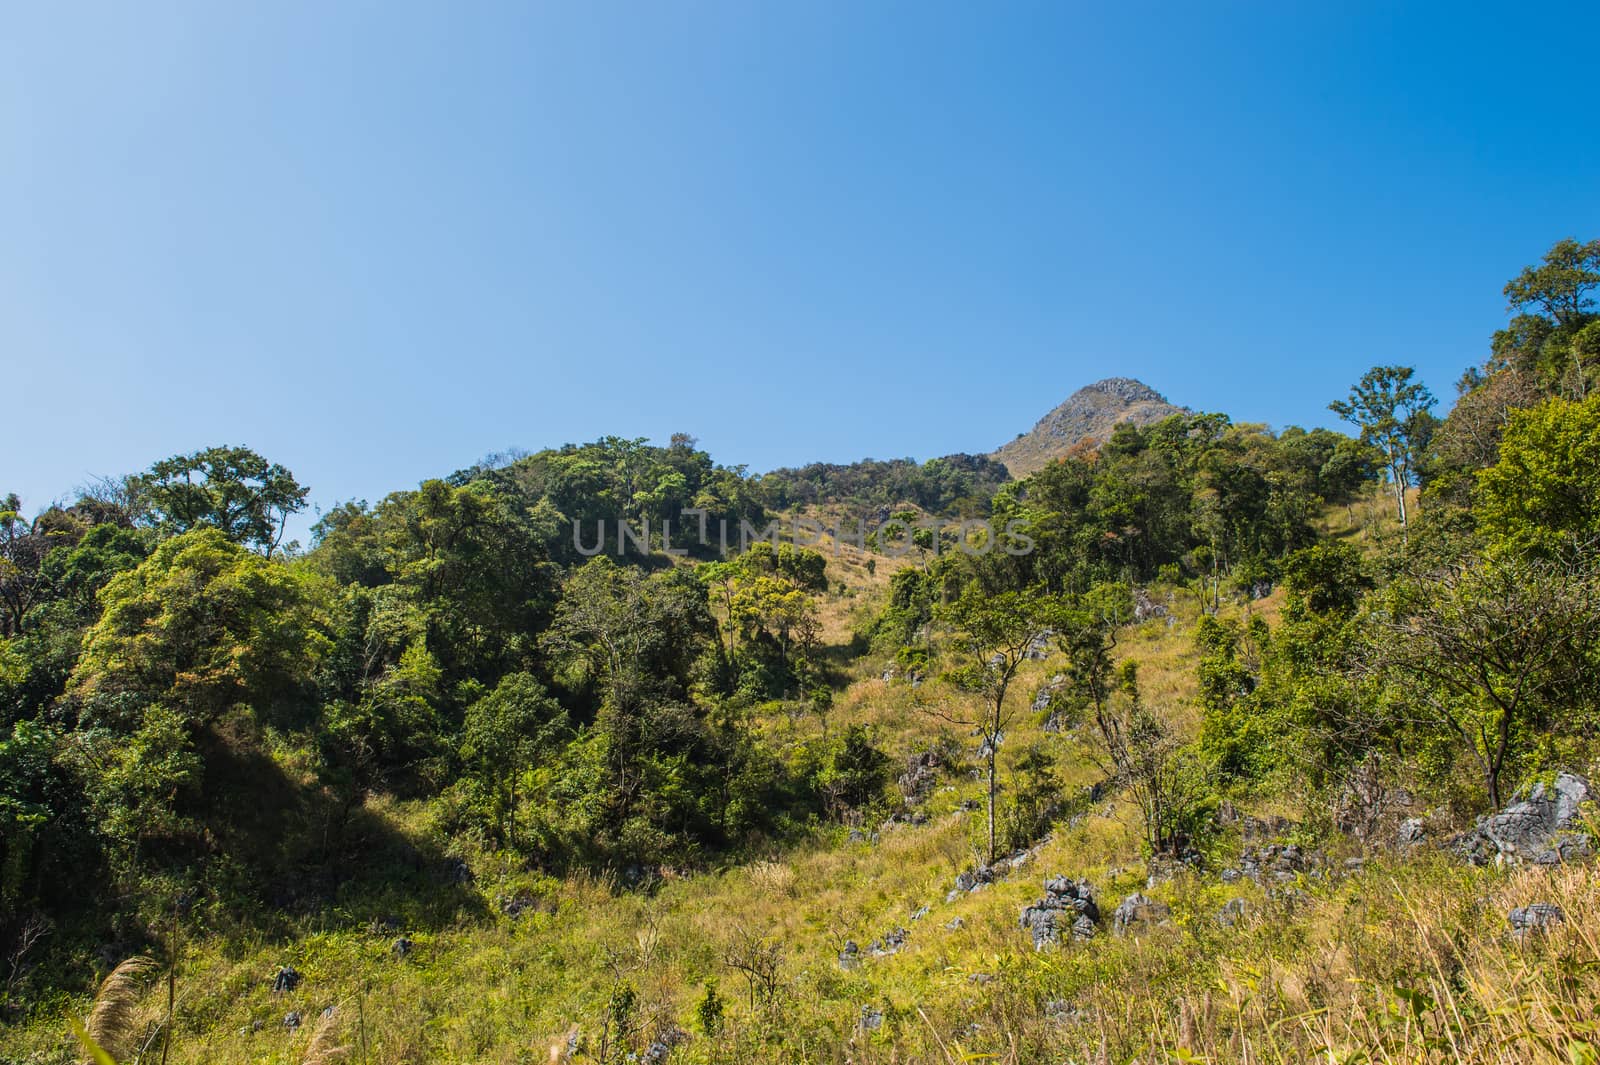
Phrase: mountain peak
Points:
(1087, 416)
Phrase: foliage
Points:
(230, 489)
(1495, 653)
(1543, 495)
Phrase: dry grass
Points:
(114, 1019)
(325, 1048)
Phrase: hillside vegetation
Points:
(1211, 744)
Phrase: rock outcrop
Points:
(1137, 912)
(1544, 828)
(1067, 909)
(1086, 418)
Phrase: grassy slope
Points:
(1403, 960)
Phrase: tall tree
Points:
(228, 488)
(503, 733)
(1559, 286)
(1394, 414)
(996, 632)
(22, 551)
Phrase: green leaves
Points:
(231, 489)
(1543, 497)
(90, 1047)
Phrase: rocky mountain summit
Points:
(1088, 416)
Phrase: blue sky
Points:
(375, 241)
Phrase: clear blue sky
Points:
(375, 241)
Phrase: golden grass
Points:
(324, 1047)
(114, 1018)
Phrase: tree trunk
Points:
(992, 741)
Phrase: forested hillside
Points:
(1207, 742)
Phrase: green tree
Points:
(231, 489)
(853, 773)
(1495, 654)
(994, 632)
(1560, 285)
(1087, 635)
(1394, 415)
(23, 547)
(504, 733)
(1543, 496)
(203, 626)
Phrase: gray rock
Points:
(1068, 907)
(850, 956)
(871, 1019)
(1233, 911)
(1136, 911)
(663, 1044)
(892, 943)
(920, 777)
(1411, 832)
(287, 980)
(1543, 828)
(401, 947)
(1145, 608)
(1060, 1011)
(1534, 918)
(919, 913)
(292, 1020)
(515, 906)
(1278, 862)
(955, 924)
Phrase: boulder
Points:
(661, 1047)
(1137, 911)
(1534, 918)
(850, 956)
(1145, 608)
(1067, 908)
(1277, 863)
(922, 773)
(287, 980)
(1233, 911)
(1544, 828)
(890, 944)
